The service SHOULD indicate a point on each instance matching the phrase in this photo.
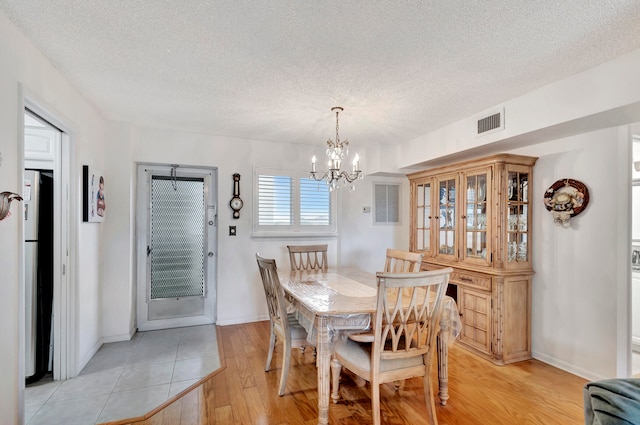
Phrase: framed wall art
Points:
(93, 189)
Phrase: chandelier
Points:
(336, 152)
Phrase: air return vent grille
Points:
(491, 123)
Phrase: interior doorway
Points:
(45, 224)
(176, 227)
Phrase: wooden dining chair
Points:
(308, 257)
(397, 262)
(284, 326)
(402, 261)
(409, 306)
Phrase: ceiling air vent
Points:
(493, 122)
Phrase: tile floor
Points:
(126, 379)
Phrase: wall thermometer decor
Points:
(236, 203)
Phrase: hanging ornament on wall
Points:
(566, 198)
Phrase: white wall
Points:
(22, 63)
(118, 318)
(240, 293)
(362, 243)
(10, 235)
(577, 272)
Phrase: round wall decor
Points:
(566, 198)
(5, 203)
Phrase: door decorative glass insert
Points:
(475, 238)
(447, 217)
(517, 216)
(178, 236)
(423, 217)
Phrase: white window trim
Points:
(295, 230)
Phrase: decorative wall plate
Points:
(566, 198)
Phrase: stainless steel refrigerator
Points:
(38, 232)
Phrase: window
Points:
(315, 203)
(288, 201)
(386, 203)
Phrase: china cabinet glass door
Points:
(476, 215)
(518, 198)
(423, 218)
(447, 216)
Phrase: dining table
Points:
(329, 304)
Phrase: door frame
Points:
(65, 239)
(142, 200)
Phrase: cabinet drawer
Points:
(425, 267)
(470, 279)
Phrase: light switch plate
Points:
(366, 209)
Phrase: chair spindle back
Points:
(402, 261)
(308, 257)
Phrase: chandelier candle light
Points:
(336, 151)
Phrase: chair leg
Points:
(272, 344)
(375, 402)
(429, 398)
(336, 367)
(286, 358)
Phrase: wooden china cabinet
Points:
(474, 216)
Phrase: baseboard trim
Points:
(119, 338)
(88, 356)
(241, 320)
(567, 367)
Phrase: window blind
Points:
(275, 207)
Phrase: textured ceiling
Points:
(272, 70)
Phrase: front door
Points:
(177, 225)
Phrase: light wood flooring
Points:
(529, 392)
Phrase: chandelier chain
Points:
(337, 129)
